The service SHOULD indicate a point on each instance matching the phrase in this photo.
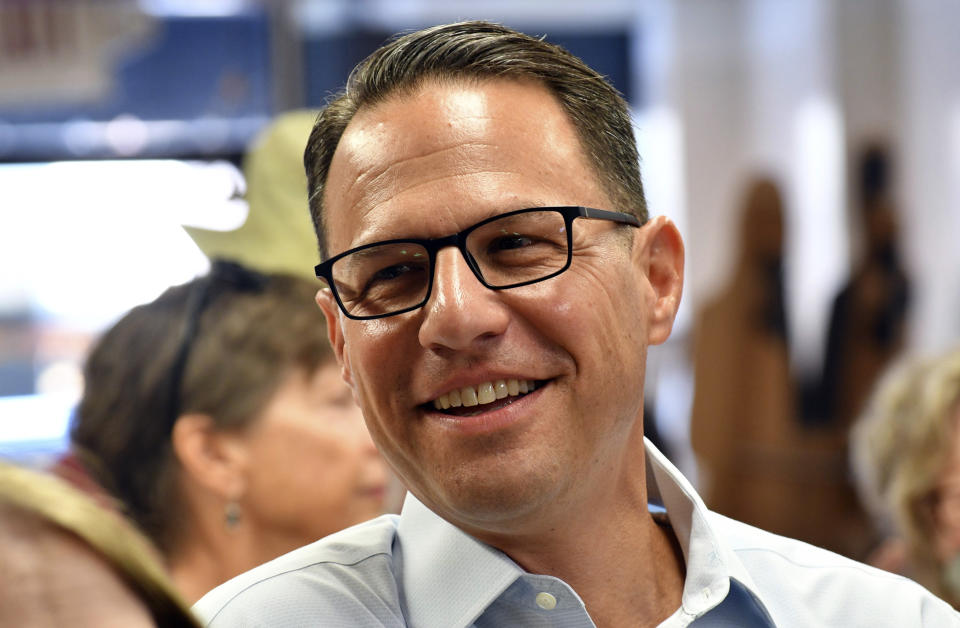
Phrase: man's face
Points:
(429, 164)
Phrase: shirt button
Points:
(546, 601)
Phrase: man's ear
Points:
(660, 252)
(216, 460)
(331, 312)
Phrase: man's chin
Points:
(495, 502)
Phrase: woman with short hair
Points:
(217, 417)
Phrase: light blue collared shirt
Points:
(416, 569)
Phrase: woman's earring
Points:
(231, 514)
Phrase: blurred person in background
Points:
(866, 333)
(906, 455)
(868, 317)
(743, 420)
(67, 561)
(217, 417)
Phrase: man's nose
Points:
(461, 310)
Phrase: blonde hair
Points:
(52, 500)
(900, 447)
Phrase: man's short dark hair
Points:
(479, 51)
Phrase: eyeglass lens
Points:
(511, 250)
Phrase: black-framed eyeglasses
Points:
(509, 250)
(224, 276)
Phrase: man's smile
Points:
(471, 400)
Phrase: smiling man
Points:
(493, 283)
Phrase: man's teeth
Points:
(487, 392)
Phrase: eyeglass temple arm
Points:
(603, 214)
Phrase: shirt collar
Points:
(710, 561)
(437, 589)
(439, 592)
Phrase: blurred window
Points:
(80, 244)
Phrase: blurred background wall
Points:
(121, 120)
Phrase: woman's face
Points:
(313, 469)
(947, 507)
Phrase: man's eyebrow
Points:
(378, 237)
(374, 252)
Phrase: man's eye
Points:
(507, 243)
(391, 272)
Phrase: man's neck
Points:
(627, 568)
(626, 574)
